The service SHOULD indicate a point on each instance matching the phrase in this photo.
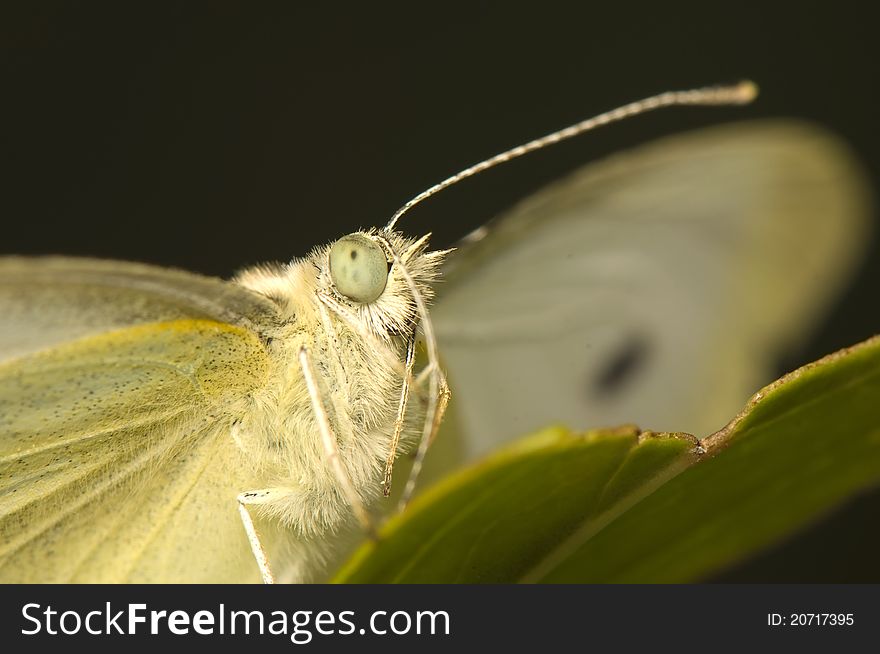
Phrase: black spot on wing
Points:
(621, 367)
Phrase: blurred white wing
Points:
(657, 287)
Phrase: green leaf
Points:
(623, 506)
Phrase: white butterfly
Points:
(146, 412)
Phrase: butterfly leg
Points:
(244, 499)
(331, 447)
(401, 414)
(443, 397)
(437, 400)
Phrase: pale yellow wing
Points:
(116, 461)
(657, 287)
(119, 383)
(49, 300)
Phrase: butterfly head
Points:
(377, 275)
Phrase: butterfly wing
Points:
(116, 462)
(657, 287)
(48, 300)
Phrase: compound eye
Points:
(358, 268)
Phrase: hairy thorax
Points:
(359, 375)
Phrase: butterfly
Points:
(158, 425)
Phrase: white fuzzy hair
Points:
(357, 352)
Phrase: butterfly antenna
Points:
(742, 93)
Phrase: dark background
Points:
(215, 136)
